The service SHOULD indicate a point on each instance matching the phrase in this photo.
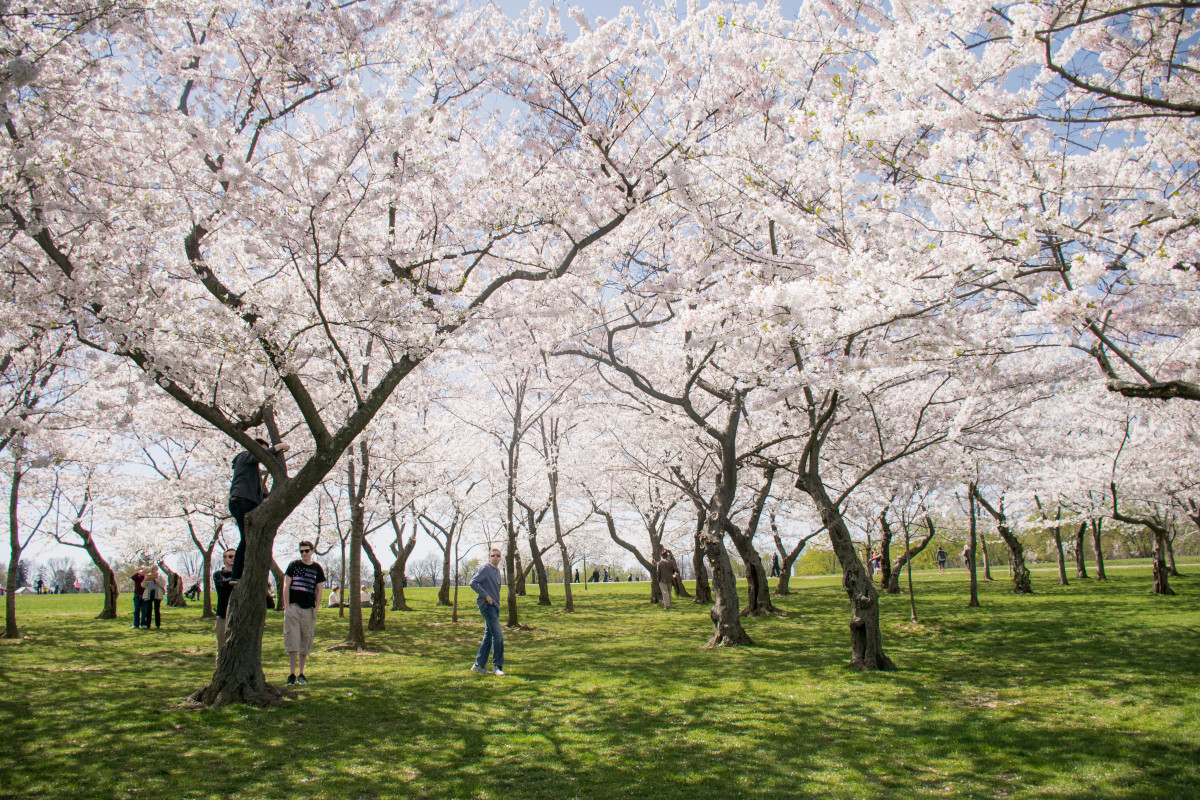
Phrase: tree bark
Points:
(175, 598)
(885, 551)
(401, 551)
(1098, 548)
(1080, 563)
(758, 590)
(1171, 553)
(377, 622)
(893, 584)
(1058, 545)
(1159, 530)
(648, 565)
(1161, 570)
(356, 637)
(15, 546)
(535, 553)
(1020, 574)
(866, 643)
(703, 589)
(239, 676)
(108, 577)
(987, 564)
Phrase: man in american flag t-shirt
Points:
(303, 581)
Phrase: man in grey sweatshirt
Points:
(486, 584)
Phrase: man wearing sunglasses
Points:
(302, 584)
(224, 585)
(486, 584)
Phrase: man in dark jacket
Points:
(486, 584)
(246, 494)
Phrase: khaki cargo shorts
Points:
(298, 627)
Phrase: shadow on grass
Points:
(1074, 692)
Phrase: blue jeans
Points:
(493, 637)
(138, 605)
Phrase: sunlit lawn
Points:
(1077, 692)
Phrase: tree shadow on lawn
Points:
(639, 710)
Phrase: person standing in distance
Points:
(302, 583)
(486, 584)
(666, 577)
(246, 494)
(221, 580)
(138, 599)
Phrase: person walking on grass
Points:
(486, 584)
(221, 580)
(246, 494)
(940, 557)
(303, 581)
(666, 577)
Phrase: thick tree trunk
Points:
(519, 575)
(1080, 563)
(885, 552)
(1062, 559)
(377, 622)
(725, 614)
(239, 676)
(444, 589)
(108, 577)
(1161, 571)
(1098, 548)
(758, 590)
(703, 589)
(1174, 573)
(175, 598)
(401, 550)
(205, 585)
(539, 568)
(356, 637)
(1016, 552)
(866, 642)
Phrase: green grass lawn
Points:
(1082, 691)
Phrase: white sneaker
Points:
(478, 670)
(498, 672)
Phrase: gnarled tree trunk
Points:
(377, 622)
(1080, 563)
(1098, 548)
(1016, 551)
(175, 598)
(703, 589)
(758, 590)
(107, 575)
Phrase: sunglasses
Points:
(304, 550)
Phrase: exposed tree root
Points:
(268, 696)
